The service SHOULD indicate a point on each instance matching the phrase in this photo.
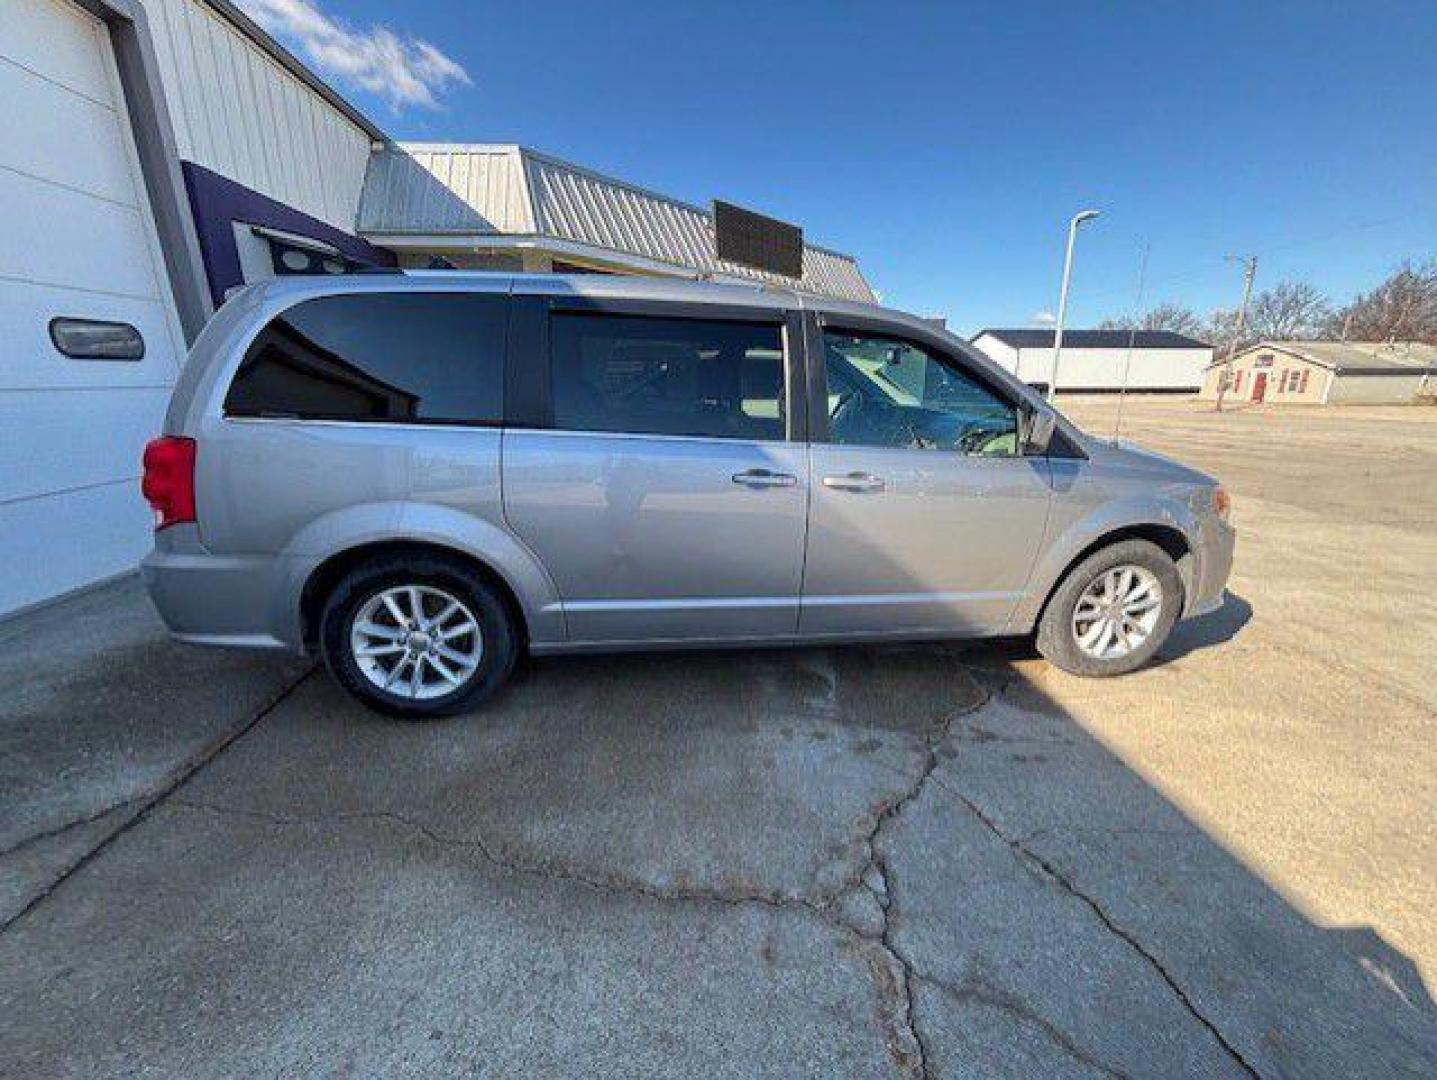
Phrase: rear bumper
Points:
(221, 600)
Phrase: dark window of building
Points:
(1302, 384)
(661, 376)
(397, 357)
(295, 259)
(96, 339)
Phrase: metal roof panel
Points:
(486, 189)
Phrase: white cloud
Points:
(404, 71)
(1044, 318)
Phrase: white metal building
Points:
(1102, 361)
(121, 121)
(155, 154)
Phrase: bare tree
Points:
(1167, 316)
(1288, 311)
(1402, 308)
(1221, 325)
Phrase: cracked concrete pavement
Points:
(927, 861)
(99, 715)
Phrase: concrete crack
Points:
(1051, 872)
(996, 998)
(548, 871)
(916, 1057)
(61, 830)
(893, 973)
(149, 800)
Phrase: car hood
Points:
(1127, 455)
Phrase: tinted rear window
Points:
(668, 376)
(395, 357)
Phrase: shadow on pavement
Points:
(1215, 628)
(894, 857)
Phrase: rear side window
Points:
(379, 357)
(664, 376)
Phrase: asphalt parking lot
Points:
(940, 860)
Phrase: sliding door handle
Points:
(765, 478)
(854, 481)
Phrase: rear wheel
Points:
(417, 637)
(1113, 611)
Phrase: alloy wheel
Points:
(416, 641)
(1117, 612)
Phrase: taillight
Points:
(169, 483)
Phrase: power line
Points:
(1209, 265)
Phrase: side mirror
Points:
(1038, 427)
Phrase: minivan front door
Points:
(664, 494)
(925, 516)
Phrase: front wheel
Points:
(1113, 611)
(417, 636)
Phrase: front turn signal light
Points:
(1221, 502)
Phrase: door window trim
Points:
(529, 386)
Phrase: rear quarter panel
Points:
(292, 493)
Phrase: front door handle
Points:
(854, 481)
(765, 478)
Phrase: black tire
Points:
(360, 585)
(1057, 639)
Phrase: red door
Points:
(1259, 386)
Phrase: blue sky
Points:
(945, 145)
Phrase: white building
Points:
(1102, 361)
(157, 153)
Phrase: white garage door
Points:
(76, 239)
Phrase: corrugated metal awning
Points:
(473, 191)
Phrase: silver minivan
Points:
(421, 476)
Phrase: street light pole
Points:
(1078, 219)
(1248, 273)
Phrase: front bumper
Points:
(1215, 543)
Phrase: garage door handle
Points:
(854, 481)
(765, 478)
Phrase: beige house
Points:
(1326, 373)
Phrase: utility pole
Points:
(1132, 340)
(1249, 272)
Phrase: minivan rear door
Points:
(925, 515)
(654, 462)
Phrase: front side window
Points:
(667, 376)
(886, 392)
(396, 357)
